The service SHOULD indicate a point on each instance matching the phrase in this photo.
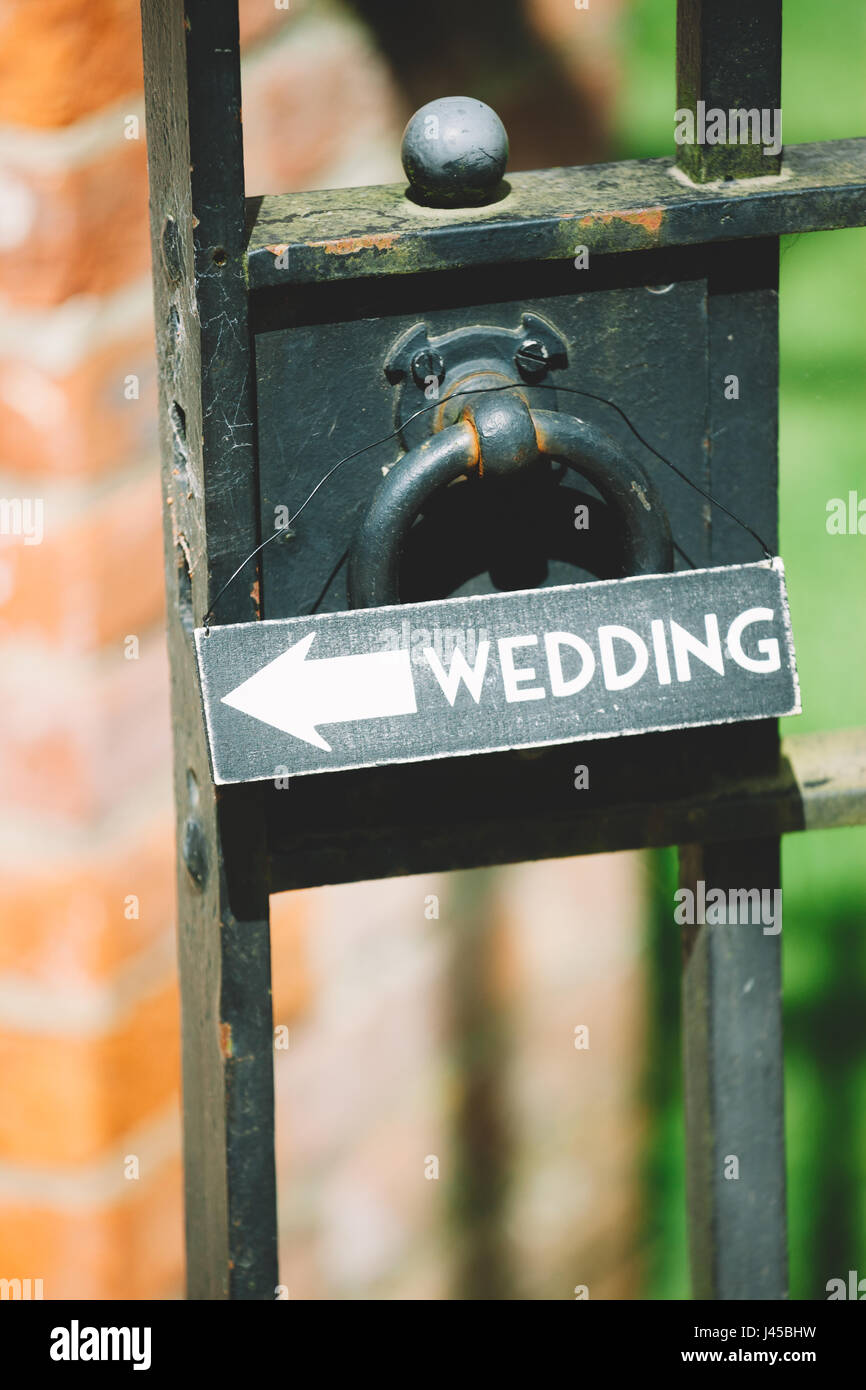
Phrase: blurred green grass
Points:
(822, 429)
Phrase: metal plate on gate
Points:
(493, 672)
(322, 391)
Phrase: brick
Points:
(259, 19)
(61, 59)
(65, 923)
(374, 1032)
(130, 1248)
(79, 424)
(574, 973)
(586, 36)
(291, 981)
(67, 1097)
(90, 740)
(361, 1090)
(310, 100)
(73, 227)
(97, 574)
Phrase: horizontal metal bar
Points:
(830, 773)
(644, 792)
(634, 205)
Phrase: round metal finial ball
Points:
(454, 152)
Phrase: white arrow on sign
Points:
(296, 695)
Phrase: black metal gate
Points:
(274, 319)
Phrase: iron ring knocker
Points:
(502, 435)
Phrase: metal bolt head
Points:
(454, 153)
(532, 359)
(425, 364)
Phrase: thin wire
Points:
(477, 391)
(572, 390)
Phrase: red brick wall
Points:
(88, 1005)
(90, 1198)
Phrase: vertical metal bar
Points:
(479, 1029)
(742, 389)
(192, 89)
(732, 1008)
(729, 56)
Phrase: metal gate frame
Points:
(725, 796)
